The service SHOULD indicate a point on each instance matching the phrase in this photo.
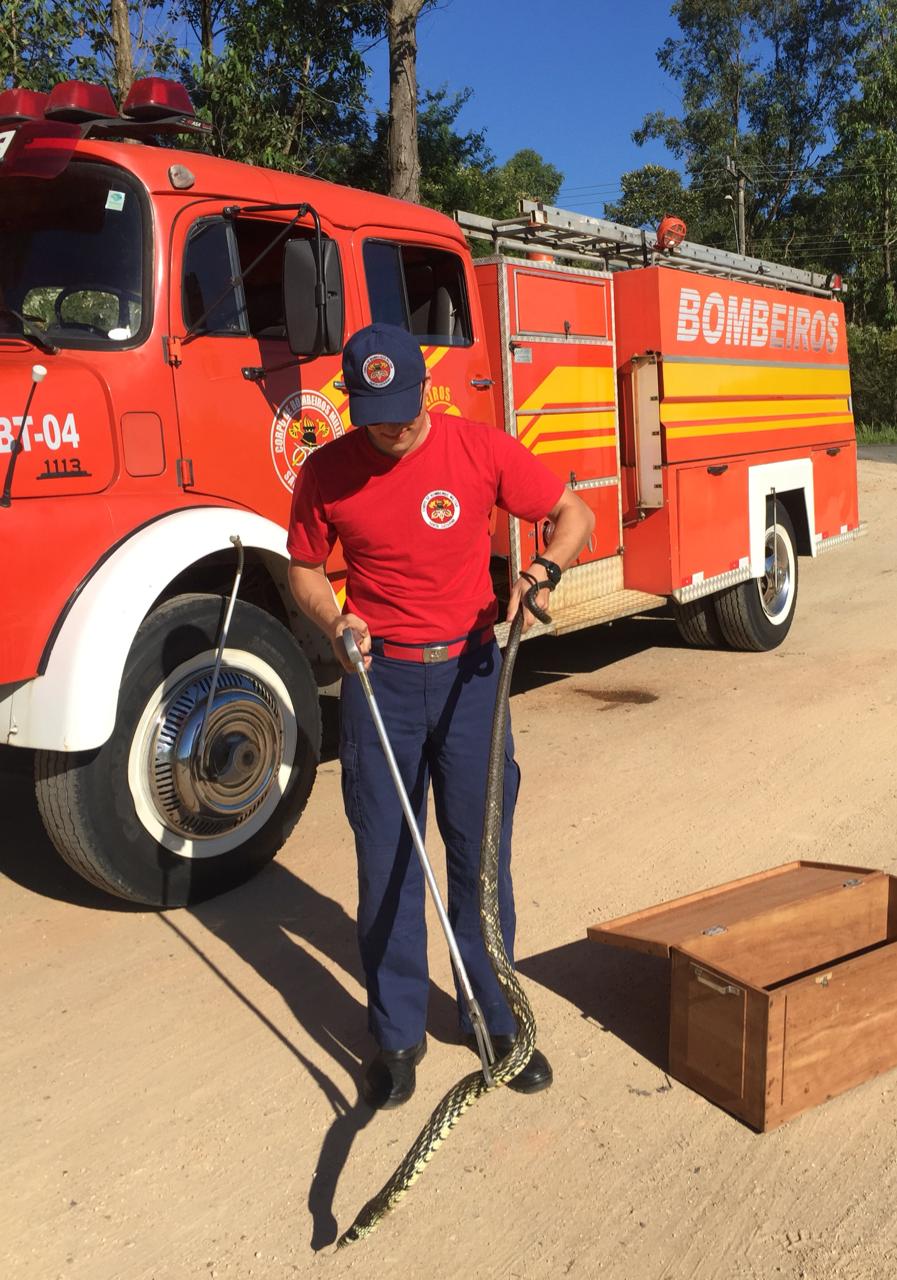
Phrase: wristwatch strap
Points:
(553, 570)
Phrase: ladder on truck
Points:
(610, 246)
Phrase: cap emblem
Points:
(378, 371)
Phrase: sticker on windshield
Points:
(5, 139)
(115, 201)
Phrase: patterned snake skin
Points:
(466, 1091)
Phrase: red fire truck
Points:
(170, 333)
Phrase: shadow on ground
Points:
(623, 993)
(279, 925)
(27, 854)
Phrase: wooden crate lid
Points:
(672, 924)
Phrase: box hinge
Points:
(184, 471)
(172, 350)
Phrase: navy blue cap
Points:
(383, 370)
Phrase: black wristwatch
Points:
(553, 570)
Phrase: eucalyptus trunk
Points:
(403, 156)
(121, 44)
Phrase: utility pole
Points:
(735, 171)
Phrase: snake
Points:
(465, 1093)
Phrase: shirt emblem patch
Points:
(440, 509)
(378, 371)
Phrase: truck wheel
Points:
(757, 614)
(143, 817)
(698, 624)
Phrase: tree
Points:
(287, 89)
(649, 194)
(457, 170)
(35, 43)
(403, 156)
(761, 83)
(863, 190)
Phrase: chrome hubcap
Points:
(204, 798)
(775, 585)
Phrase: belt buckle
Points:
(435, 652)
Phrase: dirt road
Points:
(180, 1092)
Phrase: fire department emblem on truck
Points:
(302, 424)
(440, 509)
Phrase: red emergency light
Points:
(154, 98)
(17, 105)
(76, 102)
(670, 233)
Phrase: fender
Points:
(781, 477)
(72, 706)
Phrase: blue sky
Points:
(571, 79)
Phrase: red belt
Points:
(436, 651)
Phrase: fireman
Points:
(409, 495)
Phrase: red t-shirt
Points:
(415, 530)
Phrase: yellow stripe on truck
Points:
(564, 445)
(689, 380)
(570, 386)
(585, 425)
(766, 424)
(694, 414)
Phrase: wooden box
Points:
(783, 985)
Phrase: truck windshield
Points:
(72, 256)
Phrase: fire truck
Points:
(171, 326)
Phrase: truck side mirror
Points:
(302, 317)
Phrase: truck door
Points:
(249, 412)
(560, 386)
(425, 289)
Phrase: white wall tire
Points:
(757, 615)
(142, 817)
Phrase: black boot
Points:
(537, 1073)
(390, 1078)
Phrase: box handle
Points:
(721, 988)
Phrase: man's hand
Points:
(518, 592)
(362, 639)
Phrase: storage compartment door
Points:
(712, 521)
(835, 489)
(562, 381)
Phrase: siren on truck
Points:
(670, 233)
(153, 106)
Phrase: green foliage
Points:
(44, 43)
(651, 192)
(287, 89)
(458, 170)
(36, 42)
(862, 198)
(873, 373)
(761, 83)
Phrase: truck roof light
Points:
(836, 283)
(154, 98)
(17, 105)
(76, 102)
(670, 233)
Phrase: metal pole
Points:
(741, 241)
(478, 1022)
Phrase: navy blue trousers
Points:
(438, 719)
